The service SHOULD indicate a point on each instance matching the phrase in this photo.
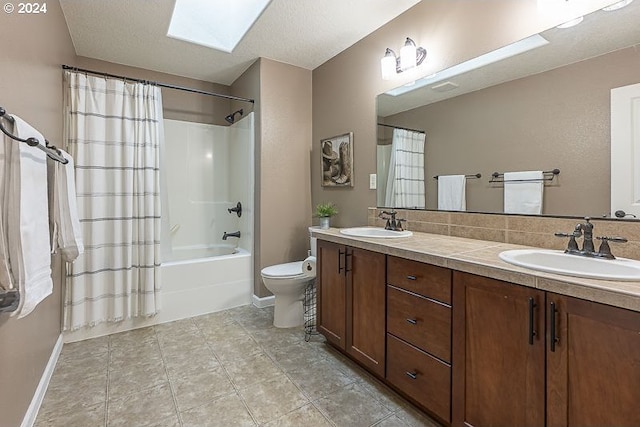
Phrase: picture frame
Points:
(336, 157)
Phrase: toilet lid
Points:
(289, 269)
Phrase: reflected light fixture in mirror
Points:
(505, 52)
(410, 57)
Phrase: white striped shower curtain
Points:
(114, 130)
(405, 182)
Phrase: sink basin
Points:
(375, 232)
(572, 265)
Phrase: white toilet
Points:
(287, 282)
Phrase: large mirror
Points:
(547, 108)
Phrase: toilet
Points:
(287, 282)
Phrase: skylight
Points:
(214, 23)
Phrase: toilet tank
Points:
(312, 241)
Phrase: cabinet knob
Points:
(411, 277)
(412, 321)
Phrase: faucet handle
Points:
(613, 239)
(399, 222)
(573, 245)
(605, 250)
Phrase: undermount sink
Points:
(572, 265)
(375, 232)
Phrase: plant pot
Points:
(324, 222)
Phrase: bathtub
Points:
(186, 253)
(201, 280)
(190, 287)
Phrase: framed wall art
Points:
(337, 161)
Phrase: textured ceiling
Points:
(304, 33)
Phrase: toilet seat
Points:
(289, 270)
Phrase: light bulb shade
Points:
(408, 55)
(388, 65)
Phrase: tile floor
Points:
(230, 368)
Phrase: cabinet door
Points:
(498, 353)
(593, 365)
(366, 290)
(331, 292)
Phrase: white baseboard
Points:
(264, 301)
(32, 412)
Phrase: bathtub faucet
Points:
(226, 235)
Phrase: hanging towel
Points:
(66, 233)
(523, 192)
(6, 279)
(28, 220)
(452, 193)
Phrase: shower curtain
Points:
(113, 130)
(405, 182)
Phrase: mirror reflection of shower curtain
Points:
(405, 182)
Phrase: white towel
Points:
(28, 220)
(6, 279)
(452, 193)
(523, 192)
(66, 234)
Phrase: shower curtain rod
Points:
(398, 127)
(165, 85)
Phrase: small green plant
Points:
(326, 210)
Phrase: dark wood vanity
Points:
(471, 350)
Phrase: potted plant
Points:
(325, 211)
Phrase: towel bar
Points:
(9, 300)
(477, 175)
(548, 176)
(51, 151)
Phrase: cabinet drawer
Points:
(421, 322)
(424, 279)
(422, 377)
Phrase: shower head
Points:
(231, 118)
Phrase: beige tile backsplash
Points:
(515, 229)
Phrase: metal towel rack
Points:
(471, 176)
(547, 176)
(51, 150)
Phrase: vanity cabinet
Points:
(523, 356)
(419, 333)
(351, 302)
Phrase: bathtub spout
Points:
(226, 235)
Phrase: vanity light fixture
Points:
(524, 45)
(410, 57)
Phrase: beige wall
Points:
(344, 88)
(284, 183)
(557, 119)
(31, 87)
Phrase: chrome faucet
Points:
(227, 235)
(392, 223)
(586, 229)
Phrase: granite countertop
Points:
(481, 257)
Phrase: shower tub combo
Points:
(210, 171)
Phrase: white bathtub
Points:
(204, 280)
(186, 253)
(190, 288)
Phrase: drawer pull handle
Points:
(532, 331)
(412, 277)
(412, 321)
(412, 375)
(553, 338)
